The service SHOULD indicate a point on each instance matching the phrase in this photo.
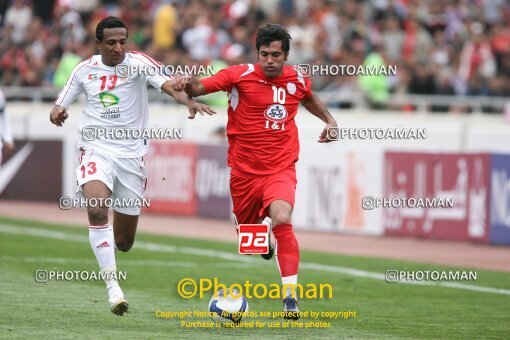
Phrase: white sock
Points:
(267, 221)
(290, 280)
(102, 242)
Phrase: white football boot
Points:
(116, 298)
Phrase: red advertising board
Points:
(171, 177)
(461, 178)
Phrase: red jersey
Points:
(262, 133)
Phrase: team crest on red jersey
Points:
(291, 87)
(276, 112)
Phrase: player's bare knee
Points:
(123, 245)
(97, 215)
(124, 242)
(281, 216)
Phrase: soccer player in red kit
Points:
(263, 141)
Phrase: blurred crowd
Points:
(445, 47)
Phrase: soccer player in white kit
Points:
(6, 140)
(114, 167)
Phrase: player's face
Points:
(272, 58)
(112, 46)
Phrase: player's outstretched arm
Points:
(191, 85)
(184, 99)
(313, 104)
(58, 115)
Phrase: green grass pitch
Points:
(79, 309)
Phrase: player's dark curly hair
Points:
(108, 22)
(273, 32)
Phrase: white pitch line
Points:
(247, 259)
(154, 263)
(191, 250)
(342, 270)
(140, 245)
(359, 273)
(475, 288)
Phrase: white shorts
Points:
(125, 177)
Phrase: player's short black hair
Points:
(273, 32)
(108, 22)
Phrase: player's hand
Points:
(330, 133)
(180, 82)
(8, 148)
(195, 107)
(58, 115)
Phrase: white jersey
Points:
(113, 102)
(5, 128)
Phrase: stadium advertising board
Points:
(500, 199)
(171, 178)
(362, 177)
(20, 181)
(461, 177)
(331, 184)
(212, 182)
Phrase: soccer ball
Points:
(226, 308)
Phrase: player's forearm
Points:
(183, 98)
(195, 88)
(179, 96)
(318, 109)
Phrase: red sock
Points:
(287, 249)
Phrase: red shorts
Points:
(252, 194)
